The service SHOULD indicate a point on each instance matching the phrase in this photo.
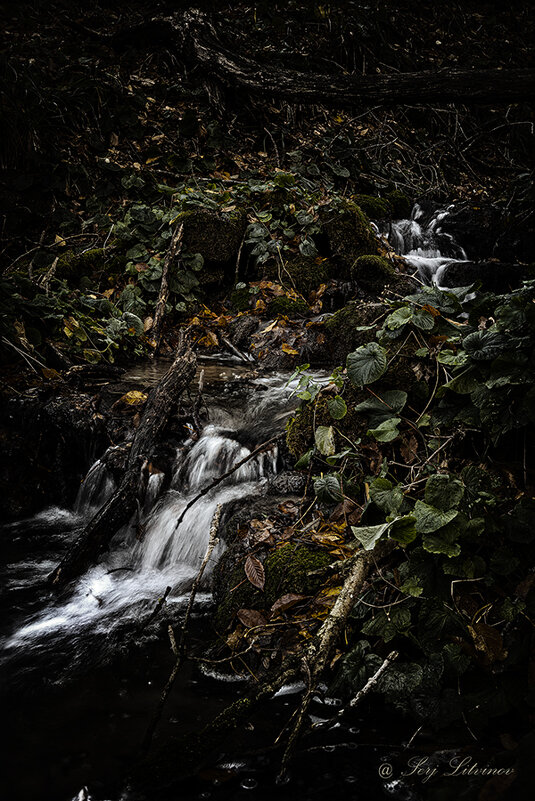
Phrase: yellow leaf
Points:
(134, 398)
(152, 160)
(289, 350)
(50, 373)
(59, 241)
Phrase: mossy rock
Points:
(74, 266)
(349, 235)
(306, 273)
(400, 204)
(372, 272)
(300, 428)
(375, 208)
(287, 307)
(342, 332)
(240, 299)
(216, 236)
(287, 570)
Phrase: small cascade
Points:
(424, 244)
(94, 490)
(151, 553)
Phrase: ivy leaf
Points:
(337, 407)
(368, 536)
(366, 364)
(387, 431)
(443, 491)
(429, 518)
(324, 438)
(328, 488)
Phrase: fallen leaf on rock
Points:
(286, 602)
(251, 618)
(254, 570)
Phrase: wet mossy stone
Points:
(349, 236)
(306, 273)
(342, 328)
(216, 236)
(300, 428)
(372, 272)
(287, 307)
(287, 570)
(375, 208)
(240, 299)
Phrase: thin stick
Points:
(212, 542)
(370, 684)
(173, 253)
(218, 480)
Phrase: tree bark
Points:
(117, 511)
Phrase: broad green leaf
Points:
(385, 495)
(398, 318)
(324, 438)
(452, 359)
(328, 489)
(423, 319)
(484, 345)
(442, 542)
(366, 364)
(412, 587)
(385, 405)
(337, 407)
(429, 518)
(368, 536)
(403, 529)
(385, 432)
(443, 491)
(304, 460)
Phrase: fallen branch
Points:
(370, 684)
(462, 86)
(218, 480)
(118, 510)
(319, 652)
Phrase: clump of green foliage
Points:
(456, 607)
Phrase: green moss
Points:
(240, 299)
(342, 327)
(372, 272)
(72, 266)
(286, 570)
(376, 208)
(400, 205)
(306, 273)
(349, 235)
(217, 237)
(287, 307)
(300, 429)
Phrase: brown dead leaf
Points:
(488, 641)
(254, 570)
(286, 602)
(251, 618)
(289, 350)
(409, 449)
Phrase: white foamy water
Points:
(425, 245)
(151, 553)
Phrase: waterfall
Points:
(424, 244)
(151, 552)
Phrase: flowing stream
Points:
(51, 643)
